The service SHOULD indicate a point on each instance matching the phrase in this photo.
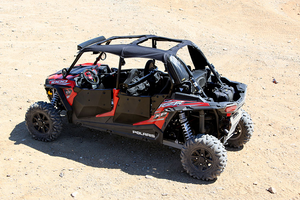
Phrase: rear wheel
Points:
(204, 157)
(43, 121)
(243, 132)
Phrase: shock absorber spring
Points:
(54, 99)
(185, 126)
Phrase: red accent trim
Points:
(116, 100)
(60, 77)
(159, 122)
(196, 104)
(86, 64)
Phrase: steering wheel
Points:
(91, 76)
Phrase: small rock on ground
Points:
(74, 194)
(149, 177)
(272, 190)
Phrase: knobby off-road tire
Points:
(43, 121)
(243, 132)
(204, 157)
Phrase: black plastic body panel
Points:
(132, 109)
(92, 102)
(144, 132)
(184, 96)
(156, 100)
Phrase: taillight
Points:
(230, 109)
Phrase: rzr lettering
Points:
(174, 103)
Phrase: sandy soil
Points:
(248, 41)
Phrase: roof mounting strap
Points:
(154, 43)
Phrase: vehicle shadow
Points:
(234, 148)
(104, 150)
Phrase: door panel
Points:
(89, 103)
(132, 109)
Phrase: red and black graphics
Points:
(160, 114)
(68, 83)
(70, 95)
(176, 103)
(57, 78)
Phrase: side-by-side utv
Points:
(158, 98)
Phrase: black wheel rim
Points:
(237, 133)
(202, 159)
(41, 123)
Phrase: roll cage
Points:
(101, 45)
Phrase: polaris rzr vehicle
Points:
(153, 88)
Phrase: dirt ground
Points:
(248, 41)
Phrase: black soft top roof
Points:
(133, 49)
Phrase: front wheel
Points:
(43, 121)
(204, 157)
(243, 132)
